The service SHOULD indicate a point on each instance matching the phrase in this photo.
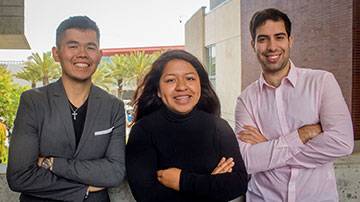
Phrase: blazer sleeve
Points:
(23, 174)
(222, 187)
(108, 171)
(141, 167)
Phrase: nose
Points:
(272, 45)
(181, 85)
(82, 52)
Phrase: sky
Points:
(122, 23)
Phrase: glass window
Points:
(211, 64)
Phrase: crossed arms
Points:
(24, 175)
(227, 181)
(308, 146)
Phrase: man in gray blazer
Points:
(68, 138)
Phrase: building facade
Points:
(327, 36)
(12, 25)
(326, 32)
(216, 40)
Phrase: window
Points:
(211, 64)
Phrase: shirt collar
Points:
(291, 77)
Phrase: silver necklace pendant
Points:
(74, 112)
(74, 115)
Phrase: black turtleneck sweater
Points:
(193, 143)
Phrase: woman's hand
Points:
(224, 166)
(170, 178)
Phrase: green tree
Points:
(120, 71)
(127, 68)
(139, 63)
(29, 73)
(3, 148)
(43, 66)
(9, 101)
(10, 95)
(103, 76)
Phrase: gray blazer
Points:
(43, 127)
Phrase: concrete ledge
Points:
(347, 172)
(119, 194)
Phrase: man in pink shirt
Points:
(292, 123)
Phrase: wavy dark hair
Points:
(260, 17)
(146, 100)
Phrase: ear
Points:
(291, 41)
(158, 93)
(253, 44)
(55, 54)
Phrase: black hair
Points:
(76, 22)
(260, 17)
(146, 100)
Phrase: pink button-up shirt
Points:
(283, 168)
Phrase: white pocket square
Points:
(103, 132)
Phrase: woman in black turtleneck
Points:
(179, 149)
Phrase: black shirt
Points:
(193, 143)
(78, 116)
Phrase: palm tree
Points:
(44, 65)
(120, 71)
(103, 76)
(140, 64)
(30, 74)
(128, 68)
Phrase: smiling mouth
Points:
(182, 98)
(273, 58)
(81, 64)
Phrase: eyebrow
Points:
(72, 42)
(281, 34)
(171, 74)
(92, 44)
(277, 34)
(76, 42)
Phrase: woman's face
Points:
(179, 86)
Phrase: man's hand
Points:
(40, 161)
(224, 166)
(308, 132)
(251, 135)
(94, 189)
(170, 178)
(45, 162)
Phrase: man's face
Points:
(78, 54)
(272, 46)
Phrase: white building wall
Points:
(194, 35)
(222, 28)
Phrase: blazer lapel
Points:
(62, 105)
(91, 114)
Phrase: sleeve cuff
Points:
(59, 166)
(184, 177)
